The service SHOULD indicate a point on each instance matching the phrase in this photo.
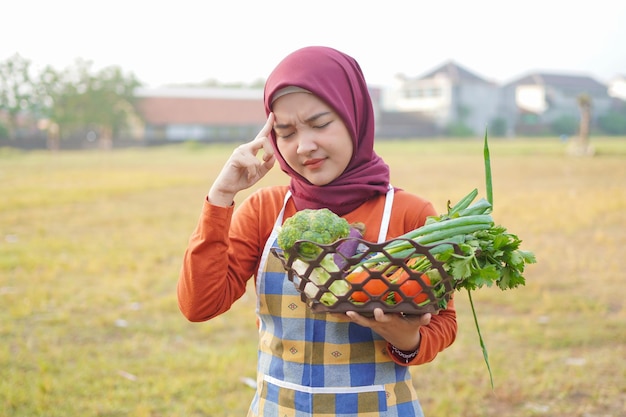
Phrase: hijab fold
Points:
(337, 79)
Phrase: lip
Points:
(313, 163)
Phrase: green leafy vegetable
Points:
(319, 226)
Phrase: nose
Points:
(307, 142)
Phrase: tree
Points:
(584, 103)
(78, 100)
(51, 105)
(109, 102)
(581, 146)
(15, 91)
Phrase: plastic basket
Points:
(316, 293)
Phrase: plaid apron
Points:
(318, 364)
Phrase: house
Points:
(450, 94)
(202, 114)
(534, 102)
(538, 103)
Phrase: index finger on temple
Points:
(267, 127)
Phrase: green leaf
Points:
(511, 278)
(460, 267)
(528, 256)
(516, 259)
(488, 275)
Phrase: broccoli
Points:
(320, 226)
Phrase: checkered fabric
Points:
(321, 364)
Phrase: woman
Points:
(320, 129)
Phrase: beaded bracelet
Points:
(407, 356)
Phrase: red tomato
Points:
(373, 287)
(411, 289)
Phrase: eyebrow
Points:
(308, 120)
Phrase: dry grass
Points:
(90, 246)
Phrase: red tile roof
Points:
(196, 107)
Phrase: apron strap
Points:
(384, 223)
(270, 240)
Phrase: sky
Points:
(240, 41)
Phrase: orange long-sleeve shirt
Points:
(225, 250)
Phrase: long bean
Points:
(482, 206)
(464, 202)
(447, 225)
(488, 181)
(488, 184)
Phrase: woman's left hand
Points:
(402, 331)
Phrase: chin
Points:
(320, 182)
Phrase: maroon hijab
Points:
(337, 79)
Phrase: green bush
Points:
(4, 132)
(565, 125)
(613, 123)
(498, 127)
(458, 130)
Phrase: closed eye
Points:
(322, 125)
(284, 131)
(284, 136)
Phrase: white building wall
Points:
(617, 87)
(531, 98)
(481, 102)
(432, 97)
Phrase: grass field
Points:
(91, 244)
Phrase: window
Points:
(185, 132)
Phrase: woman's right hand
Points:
(244, 168)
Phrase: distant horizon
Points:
(486, 77)
(241, 41)
(521, 75)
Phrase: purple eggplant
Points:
(348, 248)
